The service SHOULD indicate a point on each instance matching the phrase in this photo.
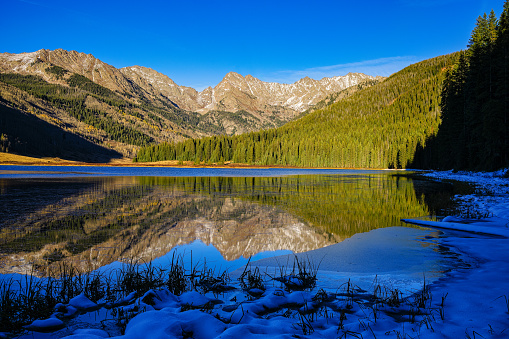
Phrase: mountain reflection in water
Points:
(91, 222)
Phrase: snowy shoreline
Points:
(490, 197)
(471, 300)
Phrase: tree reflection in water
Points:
(95, 221)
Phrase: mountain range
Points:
(144, 104)
(232, 94)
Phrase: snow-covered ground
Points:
(491, 196)
(468, 300)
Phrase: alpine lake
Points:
(96, 217)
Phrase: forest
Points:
(377, 127)
(474, 132)
(72, 99)
(442, 113)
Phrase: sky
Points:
(196, 43)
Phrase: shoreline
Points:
(7, 159)
(490, 198)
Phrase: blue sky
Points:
(197, 42)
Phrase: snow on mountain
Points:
(298, 96)
(234, 93)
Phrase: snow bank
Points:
(45, 325)
(490, 226)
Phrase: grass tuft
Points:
(251, 279)
(302, 276)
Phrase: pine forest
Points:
(474, 132)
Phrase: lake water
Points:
(95, 217)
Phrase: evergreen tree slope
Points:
(377, 127)
(474, 134)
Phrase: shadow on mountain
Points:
(453, 150)
(425, 157)
(31, 136)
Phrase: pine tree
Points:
(453, 105)
(476, 89)
(501, 95)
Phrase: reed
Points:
(302, 276)
(125, 291)
(27, 299)
(251, 279)
(176, 280)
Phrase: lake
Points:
(93, 217)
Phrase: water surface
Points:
(11, 171)
(94, 216)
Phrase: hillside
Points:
(377, 127)
(121, 110)
(38, 138)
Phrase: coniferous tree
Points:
(453, 106)
(499, 119)
(476, 89)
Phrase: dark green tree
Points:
(473, 134)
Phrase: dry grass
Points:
(14, 159)
(8, 158)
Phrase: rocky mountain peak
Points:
(234, 93)
(233, 76)
(148, 75)
(306, 81)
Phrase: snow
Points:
(490, 197)
(468, 299)
(491, 226)
(81, 302)
(24, 59)
(45, 325)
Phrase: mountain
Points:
(232, 94)
(269, 103)
(123, 109)
(236, 92)
(381, 126)
(87, 65)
